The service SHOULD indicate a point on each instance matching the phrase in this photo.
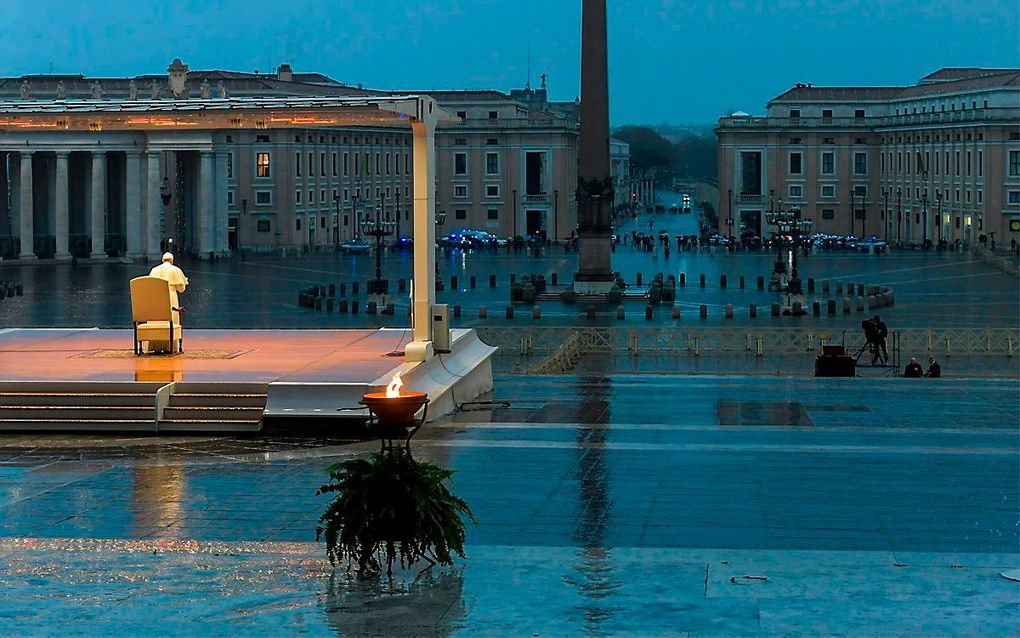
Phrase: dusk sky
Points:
(669, 60)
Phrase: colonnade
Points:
(67, 202)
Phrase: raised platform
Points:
(49, 378)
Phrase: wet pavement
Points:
(936, 290)
(607, 505)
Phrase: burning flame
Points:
(393, 389)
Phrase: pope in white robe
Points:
(175, 278)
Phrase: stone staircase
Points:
(77, 406)
(98, 406)
(219, 407)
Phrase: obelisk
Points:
(594, 184)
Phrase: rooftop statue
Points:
(97, 90)
(154, 90)
(132, 90)
(221, 89)
(26, 89)
(204, 89)
(61, 90)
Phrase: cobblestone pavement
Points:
(607, 505)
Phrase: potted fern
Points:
(388, 507)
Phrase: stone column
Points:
(153, 206)
(133, 204)
(5, 211)
(62, 195)
(205, 204)
(220, 224)
(98, 212)
(26, 212)
(424, 207)
(595, 186)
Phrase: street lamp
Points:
(514, 233)
(336, 222)
(885, 213)
(789, 221)
(938, 198)
(357, 218)
(378, 228)
(924, 212)
(899, 215)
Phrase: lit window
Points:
(262, 165)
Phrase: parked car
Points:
(404, 242)
(355, 246)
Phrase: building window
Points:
(794, 114)
(460, 213)
(491, 141)
(460, 163)
(859, 114)
(1014, 197)
(493, 115)
(827, 116)
(230, 166)
(377, 172)
(388, 164)
(860, 163)
(263, 198)
(264, 139)
(796, 191)
(322, 164)
(968, 163)
(311, 197)
(262, 226)
(462, 115)
(230, 198)
(297, 197)
(297, 224)
(334, 164)
(346, 167)
(1014, 163)
(322, 195)
(828, 140)
(460, 141)
(493, 213)
(828, 163)
(322, 222)
(828, 190)
(828, 213)
(297, 164)
(492, 163)
(980, 197)
(750, 173)
(357, 165)
(460, 191)
(311, 164)
(981, 163)
(794, 140)
(491, 190)
(861, 191)
(262, 166)
(796, 167)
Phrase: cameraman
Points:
(875, 333)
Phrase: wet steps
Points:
(222, 407)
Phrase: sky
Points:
(675, 61)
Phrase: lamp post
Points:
(938, 198)
(336, 222)
(924, 213)
(899, 215)
(790, 221)
(885, 213)
(729, 208)
(378, 228)
(556, 214)
(513, 232)
(354, 214)
(397, 231)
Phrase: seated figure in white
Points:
(175, 278)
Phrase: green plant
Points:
(391, 506)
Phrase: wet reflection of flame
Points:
(156, 496)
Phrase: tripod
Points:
(876, 355)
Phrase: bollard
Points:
(683, 280)
(620, 312)
(860, 290)
(492, 281)
(589, 311)
(472, 282)
(343, 289)
(676, 312)
(536, 312)
(371, 308)
(872, 301)
(341, 306)
(761, 283)
(332, 290)
(513, 278)
(825, 286)
(839, 287)
(846, 305)
(555, 278)
(453, 282)
(722, 281)
(639, 279)
(355, 287)
(648, 312)
(318, 304)
(729, 311)
(740, 281)
(701, 280)
(483, 312)
(401, 285)
(355, 305)
(752, 310)
(456, 311)
(329, 305)
(830, 307)
(797, 309)
(860, 304)
(775, 310)
(816, 308)
(703, 311)
(509, 312)
(389, 309)
(811, 284)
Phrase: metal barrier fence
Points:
(573, 341)
(1004, 264)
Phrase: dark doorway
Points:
(533, 220)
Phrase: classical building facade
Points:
(940, 159)
(504, 164)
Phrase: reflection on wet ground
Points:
(607, 505)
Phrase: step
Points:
(213, 413)
(64, 412)
(77, 425)
(75, 399)
(80, 387)
(216, 400)
(199, 425)
(192, 387)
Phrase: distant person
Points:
(914, 370)
(877, 333)
(934, 369)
